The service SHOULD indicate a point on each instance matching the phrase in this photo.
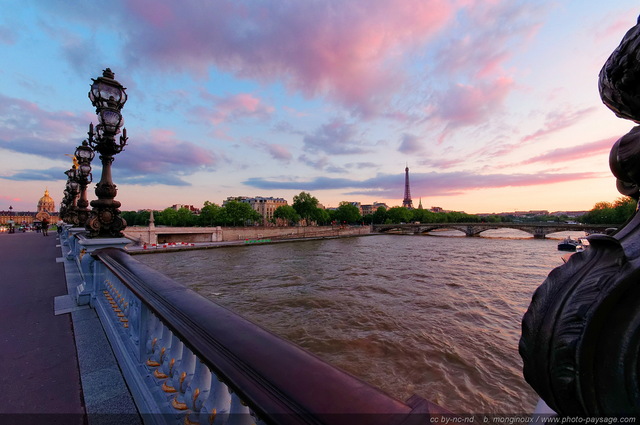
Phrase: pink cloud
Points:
(347, 51)
(575, 152)
(233, 107)
(614, 26)
(488, 35)
(464, 105)
(278, 152)
(558, 120)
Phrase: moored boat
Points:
(568, 244)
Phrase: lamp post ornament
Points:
(108, 96)
(70, 211)
(83, 155)
(580, 342)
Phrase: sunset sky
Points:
(492, 104)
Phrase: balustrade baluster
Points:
(159, 344)
(239, 413)
(197, 392)
(170, 360)
(217, 405)
(168, 325)
(183, 375)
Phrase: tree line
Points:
(616, 212)
(305, 211)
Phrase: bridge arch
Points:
(538, 230)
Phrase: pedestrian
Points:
(45, 227)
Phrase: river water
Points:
(438, 316)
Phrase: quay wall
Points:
(155, 235)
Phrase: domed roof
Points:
(46, 202)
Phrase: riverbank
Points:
(337, 233)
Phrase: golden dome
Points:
(46, 203)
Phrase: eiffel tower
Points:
(407, 202)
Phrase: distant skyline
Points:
(492, 105)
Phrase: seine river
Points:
(438, 316)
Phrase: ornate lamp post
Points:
(84, 155)
(71, 196)
(108, 96)
(11, 228)
(580, 342)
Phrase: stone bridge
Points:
(538, 230)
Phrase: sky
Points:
(493, 105)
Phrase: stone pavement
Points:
(56, 364)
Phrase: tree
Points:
(129, 217)
(168, 217)
(347, 213)
(398, 215)
(210, 214)
(625, 207)
(240, 212)
(380, 215)
(286, 213)
(306, 206)
(610, 213)
(185, 217)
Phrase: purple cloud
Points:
(422, 184)
(27, 129)
(336, 138)
(163, 159)
(410, 144)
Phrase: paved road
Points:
(38, 360)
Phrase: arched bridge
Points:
(538, 230)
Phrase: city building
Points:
(264, 206)
(44, 209)
(368, 209)
(189, 207)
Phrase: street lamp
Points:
(108, 96)
(11, 228)
(71, 196)
(84, 154)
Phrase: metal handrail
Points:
(280, 382)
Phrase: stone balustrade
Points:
(188, 360)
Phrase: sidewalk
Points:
(57, 365)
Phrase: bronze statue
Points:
(580, 338)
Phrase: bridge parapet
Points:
(188, 360)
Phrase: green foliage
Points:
(398, 215)
(210, 214)
(287, 213)
(133, 218)
(167, 217)
(323, 217)
(307, 207)
(347, 213)
(617, 212)
(380, 215)
(405, 215)
(239, 213)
